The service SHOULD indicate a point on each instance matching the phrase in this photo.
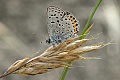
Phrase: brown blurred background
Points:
(19, 19)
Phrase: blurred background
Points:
(20, 19)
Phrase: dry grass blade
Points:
(54, 57)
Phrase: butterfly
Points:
(62, 25)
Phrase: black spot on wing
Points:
(75, 21)
(76, 24)
(52, 22)
(59, 24)
(58, 21)
(65, 18)
(54, 14)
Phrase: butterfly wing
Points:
(54, 16)
(62, 25)
(69, 27)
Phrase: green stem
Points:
(84, 30)
(90, 18)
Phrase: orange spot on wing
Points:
(74, 23)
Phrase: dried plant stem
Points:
(54, 57)
(84, 31)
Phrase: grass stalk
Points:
(83, 32)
